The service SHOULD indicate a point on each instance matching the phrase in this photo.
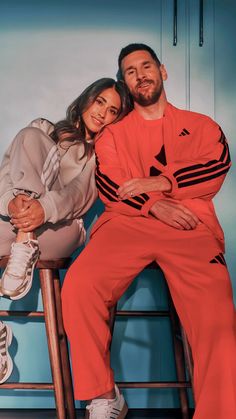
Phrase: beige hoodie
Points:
(75, 191)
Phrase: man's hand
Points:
(174, 215)
(30, 217)
(137, 186)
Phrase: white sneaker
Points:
(6, 364)
(107, 408)
(18, 276)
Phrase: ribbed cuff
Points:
(174, 184)
(47, 207)
(4, 202)
(153, 197)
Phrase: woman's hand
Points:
(137, 186)
(30, 217)
(18, 204)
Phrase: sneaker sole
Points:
(9, 360)
(122, 414)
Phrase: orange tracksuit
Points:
(191, 150)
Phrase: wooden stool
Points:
(56, 338)
(182, 351)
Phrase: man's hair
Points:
(132, 48)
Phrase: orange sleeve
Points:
(110, 175)
(204, 174)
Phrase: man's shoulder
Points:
(192, 116)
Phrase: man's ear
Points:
(163, 72)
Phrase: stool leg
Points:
(188, 356)
(48, 297)
(112, 317)
(179, 359)
(66, 370)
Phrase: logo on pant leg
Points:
(219, 259)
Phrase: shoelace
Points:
(100, 409)
(20, 258)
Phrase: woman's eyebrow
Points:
(105, 101)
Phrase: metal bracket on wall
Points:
(201, 40)
(175, 7)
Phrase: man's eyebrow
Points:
(132, 67)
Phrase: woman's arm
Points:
(73, 200)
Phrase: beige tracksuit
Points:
(63, 183)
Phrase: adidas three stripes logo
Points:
(219, 259)
(184, 132)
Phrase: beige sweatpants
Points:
(55, 240)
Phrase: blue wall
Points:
(50, 51)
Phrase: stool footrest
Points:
(154, 384)
(29, 386)
(16, 313)
(138, 313)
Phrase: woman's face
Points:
(103, 111)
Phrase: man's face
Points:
(143, 77)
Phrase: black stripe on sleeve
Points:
(107, 195)
(222, 137)
(205, 179)
(223, 141)
(107, 179)
(199, 166)
(141, 199)
(145, 196)
(126, 201)
(105, 186)
(203, 172)
(194, 167)
(225, 151)
(138, 199)
(132, 204)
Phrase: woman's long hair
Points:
(72, 129)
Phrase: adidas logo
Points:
(184, 132)
(219, 259)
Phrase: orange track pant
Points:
(201, 291)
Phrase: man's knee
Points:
(78, 283)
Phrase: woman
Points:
(46, 186)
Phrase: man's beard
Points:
(143, 100)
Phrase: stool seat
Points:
(62, 263)
(56, 337)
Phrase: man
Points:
(158, 170)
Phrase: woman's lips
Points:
(96, 121)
